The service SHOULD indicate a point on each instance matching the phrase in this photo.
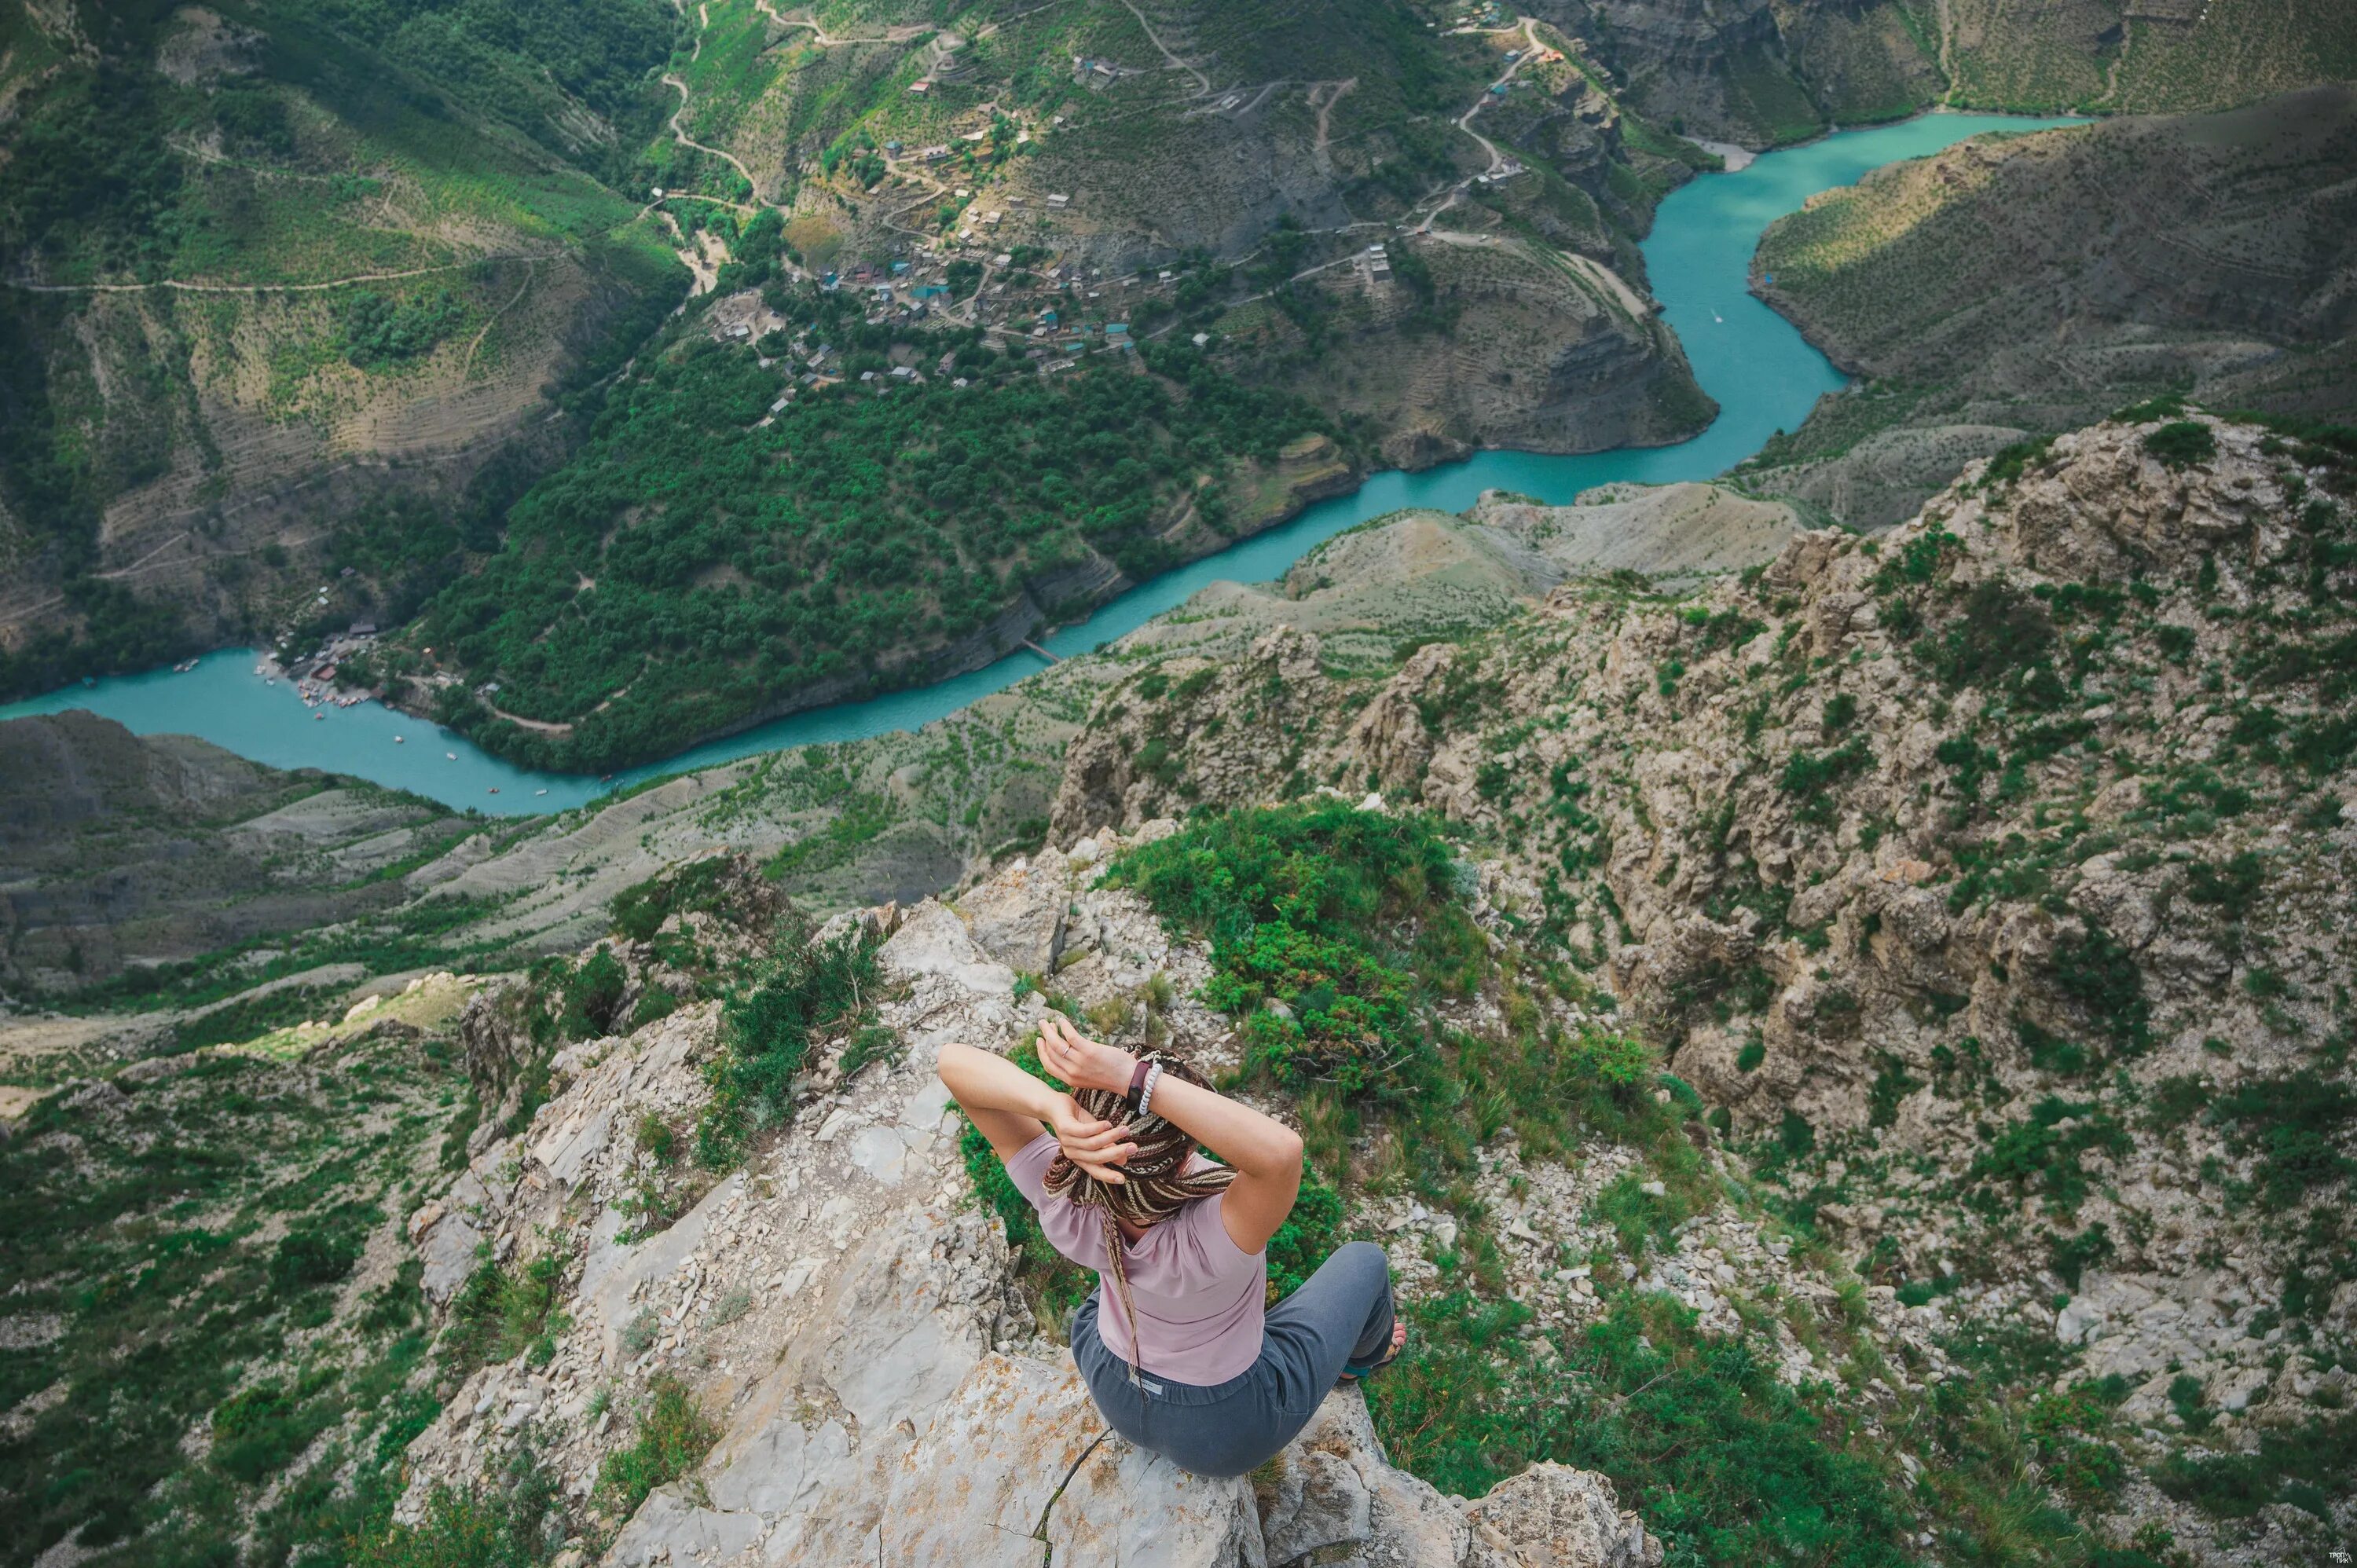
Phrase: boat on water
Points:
(540, 791)
(399, 740)
(450, 756)
(321, 717)
(495, 789)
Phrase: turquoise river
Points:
(1765, 376)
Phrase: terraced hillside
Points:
(119, 854)
(1762, 71)
(261, 268)
(2014, 286)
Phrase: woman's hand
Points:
(1097, 1147)
(1081, 1061)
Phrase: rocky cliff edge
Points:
(840, 1308)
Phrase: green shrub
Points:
(872, 1043)
(1351, 919)
(2039, 1155)
(2306, 1467)
(2011, 462)
(379, 334)
(495, 1314)
(1996, 629)
(592, 996)
(673, 1436)
(2096, 970)
(1728, 1464)
(2232, 888)
(640, 909)
(2296, 1125)
(768, 1028)
(306, 1258)
(1808, 776)
(2182, 442)
(256, 1433)
(655, 1004)
(506, 1525)
(2071, 1256)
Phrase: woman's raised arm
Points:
(1264, 1153)
(1010, 1106)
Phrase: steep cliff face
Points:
(1989, 879)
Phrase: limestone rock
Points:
(877, 1400)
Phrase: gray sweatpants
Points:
(1342, 1315)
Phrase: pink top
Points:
(1199, 1297)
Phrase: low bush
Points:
(2182, 443)
(1349, 919)
(497, 1315)
(512, 1523)
(1728, 1462)
(673, 1436)
(768, 1027)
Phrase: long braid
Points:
(1159, 1183)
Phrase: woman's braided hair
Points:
(1159, 1184)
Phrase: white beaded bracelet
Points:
(1145, 1095)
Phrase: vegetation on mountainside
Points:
(192, 1246)
(704, 555)
(325, 140)
(2027, 721)
(1728, 1462)
(1350, 922)
(1935, 279)
(804, 992)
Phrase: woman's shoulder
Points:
(1026, 1167)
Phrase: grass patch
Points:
(673, 1436)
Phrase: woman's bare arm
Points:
(1012, 1108)
(1264, 1153)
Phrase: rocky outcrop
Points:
(841, 1311)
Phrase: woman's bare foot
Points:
(1399, 1341)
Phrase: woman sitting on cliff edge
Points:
(1188, 1361)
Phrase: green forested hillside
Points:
(297, 290)
(699, 563)
(245, 253)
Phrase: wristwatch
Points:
(1137, 1080)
